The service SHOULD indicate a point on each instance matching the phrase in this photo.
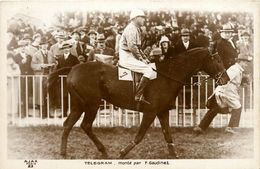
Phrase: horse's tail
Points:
(54, 85)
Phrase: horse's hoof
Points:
(122, 155)
(104, 156)
(173, 156)
(63, 155)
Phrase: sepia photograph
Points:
(144, 84)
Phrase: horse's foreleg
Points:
(86, 125)
(164, 120)
(145, 124)
(68, 124)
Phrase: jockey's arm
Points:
(134, 43)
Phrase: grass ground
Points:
(44, 143)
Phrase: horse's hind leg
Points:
(164, 120)
(147, 120)
(86, 125)
(67, 126)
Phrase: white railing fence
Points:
(26, 106)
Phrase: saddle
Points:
(126, 74)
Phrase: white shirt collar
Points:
(66, 55)
(186, 44)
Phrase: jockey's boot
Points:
(140, 90)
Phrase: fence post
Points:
(199, 99)
(184, 107)
(191, 103)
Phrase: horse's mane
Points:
(182, 58)
(184, 63)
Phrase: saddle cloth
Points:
(127, 75)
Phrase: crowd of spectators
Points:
(77, 38)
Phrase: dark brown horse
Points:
(91, 82)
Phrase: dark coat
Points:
(227, 52)
(25, 68)
(179, 47)
(202, 41)
(170, 53)
(106, 51)
(69, 62)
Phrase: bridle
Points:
(218, 76)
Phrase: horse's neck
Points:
(182, 69)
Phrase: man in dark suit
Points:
(24, 61)
(67, 59)
(83, 35)
(107, 53)
(78, 48)
(225, 47)
(184, 43)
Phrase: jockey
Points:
(130, 54)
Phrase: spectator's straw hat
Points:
(101, 38)
(156, 52)
(44, 41)
(60, 35)
(22, 43)
(75, 32)
(92, 32)
(226, 28)
(66, 46)
(135, 13)
(36, 36)
(241, 27)
(83, 30)
(164, 39)
(245, 33)
(185, 32)
(27, 36)
(160, 27)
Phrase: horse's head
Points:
(213, 65)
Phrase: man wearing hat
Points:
(226, 98)
(66, 59)
(24, 62)
(42, 63)
(27, 38)
(225, 46)
(92, 34)
(34, 46)
(101, 48)
(83, 35)
(184, 43)
(78, 48)
(55, 50)
(130, 54)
